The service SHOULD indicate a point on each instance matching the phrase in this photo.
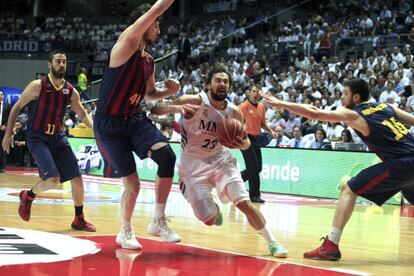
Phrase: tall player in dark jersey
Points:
(382, 128)
(47, 99)
(122, 128)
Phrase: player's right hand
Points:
(7, 142)
(188, 110)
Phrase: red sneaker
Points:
(79, 223)
(25, 205)
(327, 251)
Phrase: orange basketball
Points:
(228, 129)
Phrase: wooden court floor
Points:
(377, 241)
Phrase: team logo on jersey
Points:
(48, 88)
(18, 246)
(65, 91)
(205, 112)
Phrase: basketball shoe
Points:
(79, 223)
(159, 228)
(25, 205)
(327, 251)
(277, 250)
(127, 240)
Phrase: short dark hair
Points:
(258, 86)
(55, 52)
(138, 12)
(218, 67)
(359, 86)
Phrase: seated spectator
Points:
(280, 140)
(333, 130)
(297, 141)
(346, 136)
(318, 140)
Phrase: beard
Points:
(58, 74)
(219, 97)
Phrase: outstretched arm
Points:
(129, 39)
(312, 112)
(187, 105)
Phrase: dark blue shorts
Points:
(117, 138)
(54, 155)
(380, 182)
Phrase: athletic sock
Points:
(335, 235)
(159, 209)
(269, 238)
(78, 210)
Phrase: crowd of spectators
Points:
(315, 77)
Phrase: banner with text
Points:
(318, 173)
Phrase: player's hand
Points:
(270, 99)
(188, 110)
(240, 142)
(7, 143)
(172, 85)
(163, 4)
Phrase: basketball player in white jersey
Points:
(205, 163)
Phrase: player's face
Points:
(58, 66)
(219, 86)
(348, 98)
(152, 33)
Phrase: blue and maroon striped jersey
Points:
(123, 88)
(47, 112)
(388, 137)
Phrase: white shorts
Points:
(199, 177)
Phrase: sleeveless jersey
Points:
(198, 134)
(123, 88)
(47, 112)
(388, 137)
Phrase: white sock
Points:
(335, 235)
(269, 238)
(159, 209)
(126, 226)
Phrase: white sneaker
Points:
(159, 228)
(127, 240)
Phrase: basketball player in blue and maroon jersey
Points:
(47, 99)
(122, 128)
(382, 127)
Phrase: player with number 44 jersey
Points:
(382, 127)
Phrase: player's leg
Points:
(377, 183)
(164, 157)
(48, 172)
(68, 168)
(116, 150)
(237, 193)
(149, 142)
(126, 237)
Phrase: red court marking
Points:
(158, 258)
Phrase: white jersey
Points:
(198, 134)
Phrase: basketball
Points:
(227, 131)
